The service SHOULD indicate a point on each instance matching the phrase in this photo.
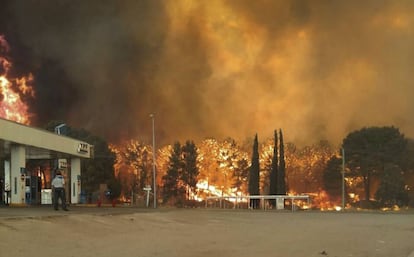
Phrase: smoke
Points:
(316, 69)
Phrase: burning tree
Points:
(266, 162)
(208, 164)
(223, 167)
(133, 166)
(306, 166)
(241, 172)
(232, 165)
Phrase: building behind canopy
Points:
(28, 159)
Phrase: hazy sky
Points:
(316, 69)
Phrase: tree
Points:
(281, 181)
(224, 167)
(254, 174)
(265, 161)
(274, 170)
(207, 161)
(332, 178)
(100, 169)
(241, 173)
(133, 165)
(172, 188)
(229, 158)
(368, 150)
(190, 170)
(392, 189)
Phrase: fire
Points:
(217, 163)
(13, 91)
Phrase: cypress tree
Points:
(274, 171)
(281, 182)
(254, 174)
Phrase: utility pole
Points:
(153, 160)
(343, 179)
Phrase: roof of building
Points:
(40, 143)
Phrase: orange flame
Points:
(12, 106)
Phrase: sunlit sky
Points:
(316, 69)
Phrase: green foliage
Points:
(274, 170)
(182, 174)
(100, 169)
(281, 180)
(172, 189)
(254, 174)
(332, 178)
(190, 170)
(392, 189)
(368, 150)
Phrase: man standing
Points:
(58, 186)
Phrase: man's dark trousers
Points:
(59, 193)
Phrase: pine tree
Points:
(368, 150)
(171, 188)
(254, 174)
(391, 190)
(190, 169)
(274, 170)
(281, 182)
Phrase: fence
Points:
(238, 202)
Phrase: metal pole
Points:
(343, 179)
(153, 160)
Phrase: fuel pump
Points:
(23, 184)
(78, 179)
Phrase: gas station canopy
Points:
(20, 143)
(40, 144)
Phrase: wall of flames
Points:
(13, 91)
(304, 168)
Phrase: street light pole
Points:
(153, 160)
(343, 179)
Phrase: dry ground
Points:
(209, 232)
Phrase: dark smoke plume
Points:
(317, 69)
